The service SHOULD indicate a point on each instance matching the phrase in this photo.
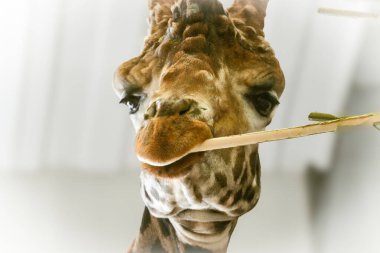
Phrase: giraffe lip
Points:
(165, 141)
(161, 164)
(177, 168)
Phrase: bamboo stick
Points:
(288, 133)
(347, 13)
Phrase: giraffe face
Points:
(204, 72)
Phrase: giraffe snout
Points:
(173, 127)
(172, 107)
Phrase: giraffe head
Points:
(204, 72)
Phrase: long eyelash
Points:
(267, 95)
(273, 99)
(123, 100)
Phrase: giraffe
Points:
(204, 72)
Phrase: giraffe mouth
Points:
(163, 144)
(176, 169)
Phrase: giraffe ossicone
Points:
(204, 72)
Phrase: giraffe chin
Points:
(177, 169)
(163, 144)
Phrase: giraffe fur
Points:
(204, 72)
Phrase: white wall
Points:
(68, 213)
(347, 210)
(347, 214)
(77, 213)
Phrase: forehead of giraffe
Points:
(198, 24)
(205, 31)
(201, 35)
(196, 10)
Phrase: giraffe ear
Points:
(251, 12)
(159, 14)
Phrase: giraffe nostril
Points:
(170, 108)
(151, 112)
(185, 109)
(183, 106)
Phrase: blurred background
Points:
(69, 177)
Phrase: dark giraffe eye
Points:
(132, 101)
(263, 102)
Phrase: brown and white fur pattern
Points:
(204, 72)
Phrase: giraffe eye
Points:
(264, 103)
(132, 101)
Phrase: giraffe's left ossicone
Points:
(163, 143)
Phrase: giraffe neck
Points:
(200, 209)
(186, 233)
(212, 235)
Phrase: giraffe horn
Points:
(251, 12)
(159, 14)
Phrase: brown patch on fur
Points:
(197, 193)
(237, 197)
(194, 44)
(195, 29)
(146, 221)
(224, 199)
(249, 193)
(221, 179)
(166, 138)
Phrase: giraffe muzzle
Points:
(162, 145)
